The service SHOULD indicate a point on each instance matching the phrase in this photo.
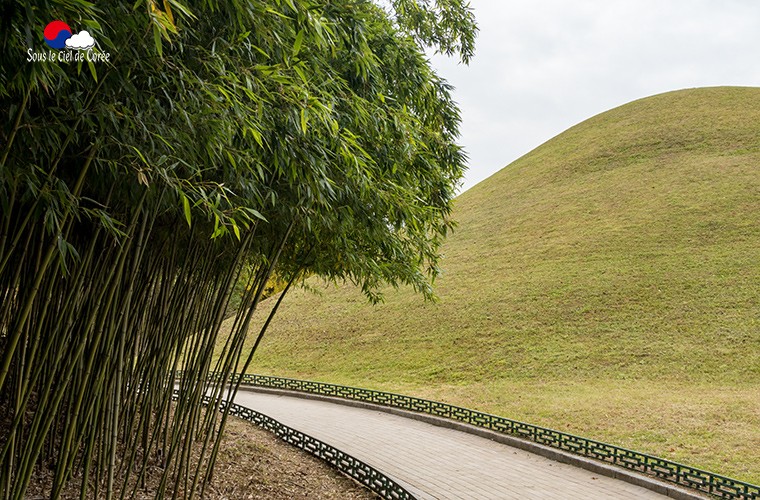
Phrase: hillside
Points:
(606, 284)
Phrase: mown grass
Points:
(605, 284)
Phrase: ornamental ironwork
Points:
(365, 474)
(682, 475)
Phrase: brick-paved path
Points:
(435, 462)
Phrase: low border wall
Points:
(365, 474)
(682, 475)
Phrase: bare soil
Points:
(252, 464)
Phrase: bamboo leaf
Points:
(157, 40)
(304, 121)
(256, 213)
(257, 136)
(186, 208)
(298, 43)
(168, 10)
(183, 9)
(93, 71)
(298, 69)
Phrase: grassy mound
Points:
(606, 284)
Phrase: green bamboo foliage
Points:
(225, 140)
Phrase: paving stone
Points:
(435, 462)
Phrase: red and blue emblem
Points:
(56, 34)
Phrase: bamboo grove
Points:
(224, 140)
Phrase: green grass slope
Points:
(606, 284)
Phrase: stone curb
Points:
(595, 466)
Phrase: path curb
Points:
(371, 478)
(591, 465)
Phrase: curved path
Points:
(436, 462)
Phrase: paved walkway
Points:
(435, 462)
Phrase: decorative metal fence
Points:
(682, 475)
(365, 474)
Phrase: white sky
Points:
(542, 66)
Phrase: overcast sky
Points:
(542, 66)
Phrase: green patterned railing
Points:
(682, 475)
(365, 474)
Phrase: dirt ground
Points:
(256, 464)
(252, 464)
